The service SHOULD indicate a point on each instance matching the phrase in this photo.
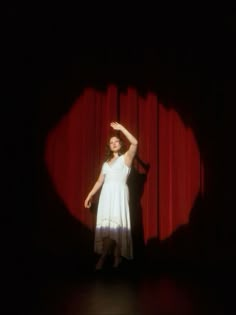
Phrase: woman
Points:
(113, 229)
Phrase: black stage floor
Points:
(130, 290)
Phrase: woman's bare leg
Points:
(117, 256)
(107, 244)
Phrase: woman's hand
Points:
(116, 126)
(88, 202)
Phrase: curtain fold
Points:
(168, 162)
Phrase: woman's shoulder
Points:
(123, 155)
(104, 163)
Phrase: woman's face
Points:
(115, 144)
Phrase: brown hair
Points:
(109, 153)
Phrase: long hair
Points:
(109, 153)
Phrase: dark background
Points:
(183, 54)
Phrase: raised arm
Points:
(130, 154)
(96, 187)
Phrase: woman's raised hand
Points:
(115, 125)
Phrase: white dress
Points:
(113, 215)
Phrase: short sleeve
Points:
(104, 169)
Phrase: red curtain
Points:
(74, 152)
